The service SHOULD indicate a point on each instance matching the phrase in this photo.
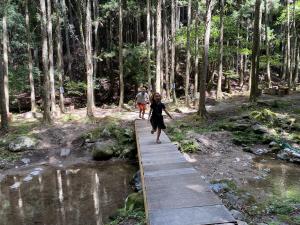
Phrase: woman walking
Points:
(156, 117)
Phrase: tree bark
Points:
(269, 79)
(121, 101)
(166, 48)
(30, 61)
(221, 47)
(51, 60)
(188, 56)
(173, 49)
(255, 53)
(288, 63)
(196, 77)
(202, 110)
(5, 60)
(89, 60)
(3, 109)
(47, 119)
(158, 47)
(60, 67)
(96, 32)
(149, 46)
(67, 38)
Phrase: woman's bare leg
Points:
(158, 136)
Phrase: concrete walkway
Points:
(174, 192)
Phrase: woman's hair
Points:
(153, 95)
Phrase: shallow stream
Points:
(82, 194)
(282, 180)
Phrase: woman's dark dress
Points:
(157, 120)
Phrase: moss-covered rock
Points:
(22, 143)
(103, 151)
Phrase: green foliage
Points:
(123, 215)
(135, 64)
(75, 88)
(265, 116)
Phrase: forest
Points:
(88, 53)
(70, 71)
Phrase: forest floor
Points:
(226, 158)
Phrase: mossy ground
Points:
(122, 135)
(17, 128)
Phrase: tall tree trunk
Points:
(121, 101)
(209, 7)
(221, 46)
(89, 60)
(166, 48)
(288, 63)
(3, 109)
(296, 65)
(255, 52)
(5, 59)
(60, 67)
(297, 59)
(47, 119)
(158, 47)
(188, 56)
(269, 79)
(30, 61)
(173, 49)
(51, 61)
(149, 45)
(67, 37)
(196, 77)
(96, 31)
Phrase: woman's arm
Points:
(150, 113)
(169, 115)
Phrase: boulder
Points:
(219, 187)
(260, 151)
(134, 201)
(289, 155)
(22, 143)
(102, 151)
(137, 181)
(259, 129)
(237, 214)
(239, 222)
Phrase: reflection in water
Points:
(83, 194)
(283, 180)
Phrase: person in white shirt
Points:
(141, 101)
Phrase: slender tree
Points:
(158, 47)
(47, 119)
(3, 109)
(267, 43)
(60, 65)
(288, 63)
(89, 60)
(188, 55)
(196, 77)
(166, 50)
(149, 45)
(5, 44)
(67, 37)
(209, 7)
(30, 61)
(173, 49)
(121, 101)
(255, 52)
(51, 60)
(221, 46)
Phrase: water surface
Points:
(282, 180)
(77, 195)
